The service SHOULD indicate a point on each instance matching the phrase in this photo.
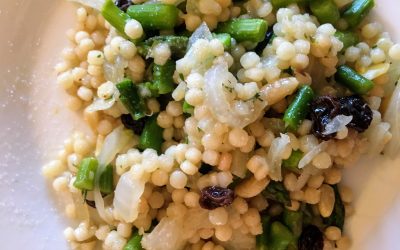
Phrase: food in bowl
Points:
(221, 124)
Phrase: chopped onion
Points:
(127, 197)
(307, 158)
(172, 233)
(103, 104)
(113, 144)
(202, 32)
(376, 70)
(95, 4)
(337, 123)
(239, 160)
(218, 84)
(274, 157)
(114, 72)
(392, 116)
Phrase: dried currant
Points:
(123, 4)
(311, 239)
(213, 197)
(323, 110)
(362, 114)
(129, 123)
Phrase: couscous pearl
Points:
(191, 199)
(127, 49)
(164, 120)
(218, 216)
(85, 93)
(178, 179)
(238, 137)
(193, 155)
(333, 233)
(104, 127)
(188, 168)
(286, 51)
(95, 57)
(223, 233)
(206, 233)
(211, 157)
(322, 161)
(133, 29)
(159, 177)
(161, 53)
(249, 60)
(377, 55)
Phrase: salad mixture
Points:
(221, 124)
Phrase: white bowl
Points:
(34, 122)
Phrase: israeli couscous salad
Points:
(221, 124)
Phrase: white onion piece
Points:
(392, 115)
(127, 197)
(219, 100)
(95, 4)
(112, 145)
(172, 233)
(103, 104)
(376, 70)
(114, 72)
(307, 158)
(274, 157)
(239, 160)
(202, 32)
(337, 123)
(376, 136)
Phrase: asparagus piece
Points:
(326, 11)
(131, 99)
(106, 182)
(155, 16)
(299, 108)
(348, 38)
(162, 77)
(357, 11)
(86, 173)
(252, 30)
(354, 81)
(151, 136)
(134, 242)
(116, 17)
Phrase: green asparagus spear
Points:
(162, 77)
(116, 17)
(131, 99)
(252, 30)
(348, 38)
(293, 161)
(106, 182)
(177, 45)
(151, 136)
(155, 16)
(352, 80)
(134, 242)
(86, 174)
(326, 11)
(299, 108)
(357, 11)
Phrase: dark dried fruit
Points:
(123, 4)
(129, 123)
(213, 197)
(311, 239)
(362, 115)
(325, 108)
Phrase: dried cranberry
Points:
(129, 123)
(214, 196)
(311, 239)
(323, 110)
(362, 115)
(123, 4)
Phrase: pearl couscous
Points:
(220, 124)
